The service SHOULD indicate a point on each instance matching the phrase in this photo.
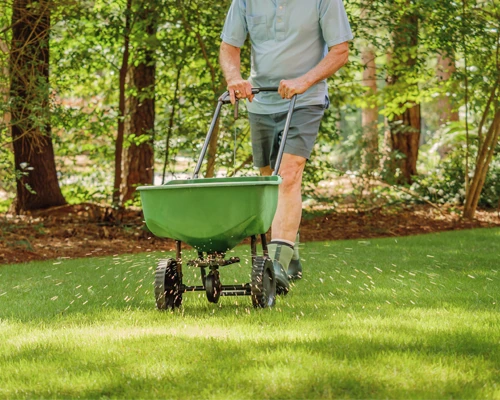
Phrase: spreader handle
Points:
(226, 99)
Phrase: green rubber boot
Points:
(295, 267)
(281, 256)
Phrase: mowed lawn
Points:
(414, 317)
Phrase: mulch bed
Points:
(90, 230)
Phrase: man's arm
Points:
(335, 59)
(230, 62)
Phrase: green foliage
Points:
(445, 184)
(7, 172)
(75, 193)
(4, 205)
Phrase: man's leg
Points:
(287, 218)
(289, 212)
(300, 141)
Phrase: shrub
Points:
(446, 184)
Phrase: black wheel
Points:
(168, 282)
(213, 286)
(263, 283)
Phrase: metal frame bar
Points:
(207, 140)
(226, 99)
(263, 241)
(253, 247)
(285, 135)
(206, 262)
(227, 290)
(178, 255)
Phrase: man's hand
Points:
(289, 88)
(240, 89)
(230, 63)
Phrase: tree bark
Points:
(405, 138)
(405, 127)
(369, 113)
(121, 107)
(37, 183)
(5, 90)
(444, 71)
(482, 164)
(138, 159)
(212, 151)
(386, 161)
(171, 121)
(138, 165)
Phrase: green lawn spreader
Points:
(213, 215)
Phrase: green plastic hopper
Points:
(211, 215)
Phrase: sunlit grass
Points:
(414, 317)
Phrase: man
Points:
(296, 46)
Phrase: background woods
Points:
(98, 97)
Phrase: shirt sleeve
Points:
(334, 22)
(235, 29)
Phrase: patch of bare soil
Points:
(90, 230)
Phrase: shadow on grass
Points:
(342, 365)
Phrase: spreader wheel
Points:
(168, 282)
(263, 283)
(213, 286)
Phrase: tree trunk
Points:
(217, 87)
(405, 138)
(4, 94)
(482, 164)
(37, 184)
(138, 160)
(385, 162)
(166, 159)
(212, 151)
(121, 107)
(444, 71)
(405, 127)
(369, 113)
(138, 165)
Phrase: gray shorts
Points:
(266, 130)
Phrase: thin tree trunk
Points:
(171, 121)
(138, 165)
(121, 107)
(491, 99)
(37, 185)
(406, 127)
(5, 90)
(386, 150)
(212, 151)
(483, 161)
(369, 113)
(216, 88)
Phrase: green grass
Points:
(413, 317)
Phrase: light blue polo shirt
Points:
(289, 38)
